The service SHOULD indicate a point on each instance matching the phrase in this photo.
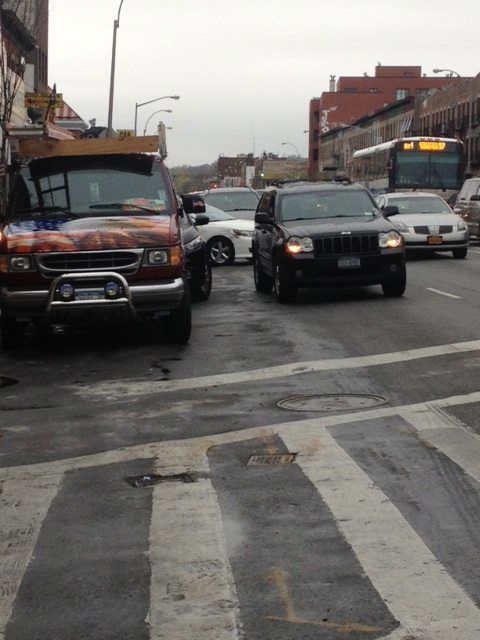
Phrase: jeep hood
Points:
(88, 234)
(336, 226)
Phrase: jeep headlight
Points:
(390, 240)
(22, 262)
(299, 245)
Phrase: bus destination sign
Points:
(424, 145)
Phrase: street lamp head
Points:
(449, 71)
(174, 97)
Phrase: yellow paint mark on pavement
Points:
(279, 577)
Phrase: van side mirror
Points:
(390, 210)
(193, 204)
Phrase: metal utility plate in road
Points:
(331, 402)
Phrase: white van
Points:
(468, 205)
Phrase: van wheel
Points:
(13, 333)
(179, 324)
(460, 254)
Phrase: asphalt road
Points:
(297, 471)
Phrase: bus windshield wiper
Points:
(123, 205)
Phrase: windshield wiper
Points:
(52, 209)
(123, 205)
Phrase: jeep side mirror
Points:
(390, 210)
(263, 218)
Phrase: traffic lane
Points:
(104, 414)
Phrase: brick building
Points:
(352, 97)
(236, 171)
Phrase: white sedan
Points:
(426, 222)
(227, 238)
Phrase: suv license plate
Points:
(434, 239)
(349, 262)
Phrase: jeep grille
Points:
(346, 245)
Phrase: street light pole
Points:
(452, 73)
(116, 24)
(141, 104)
(151, 116)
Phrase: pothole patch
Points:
(332, 402)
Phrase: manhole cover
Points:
(331, 402)
(271, 459)
(7, 382)
(151, 479)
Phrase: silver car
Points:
(426, 222)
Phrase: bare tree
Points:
(17, 25)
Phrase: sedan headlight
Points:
(21, 263)
(400, 226)
(462, 226)
(193, 245)
(390, 240)
(299, 245)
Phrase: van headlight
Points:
(299, 245)
(22, 262)
(390, 240)
(156, 258)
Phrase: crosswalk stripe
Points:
(192, 589)
(421, 595)
(25, 504)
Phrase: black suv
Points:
(321, 235)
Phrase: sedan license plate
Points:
(434, 239)
(349, 262)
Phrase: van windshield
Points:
(91, 186)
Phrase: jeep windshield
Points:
(323, 204)
(90, 186)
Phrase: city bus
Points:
(414, 163)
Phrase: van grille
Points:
(346, 245)
(121, 261)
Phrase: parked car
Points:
(467, 205)
(426, 222)
(227, 238)
(241, 202)
(197, 262)
(321, 235)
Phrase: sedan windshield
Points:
(232, 200)
(420, 204)
(327, 204)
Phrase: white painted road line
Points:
(443, 293)
(420, 594)
(192, 592)
(25, 504)
(127, 388)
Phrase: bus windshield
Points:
(427, 170)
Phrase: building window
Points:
(401, 94)
(373, 90)
(350, 90)
(421, 92)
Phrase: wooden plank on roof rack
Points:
(87, 146)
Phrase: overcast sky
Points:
(245, 70)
